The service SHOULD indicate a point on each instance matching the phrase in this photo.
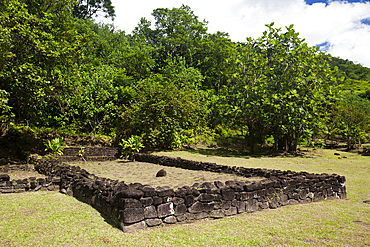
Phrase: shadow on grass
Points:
(123, 161)
(109, 220)
(223, 152)
(106, 218)
(235, 153)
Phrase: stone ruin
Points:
(135, 206)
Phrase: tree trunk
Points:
(282, 143)
(349, 143)
(251, 139)
(293, 146)
(276, 146)
(251, 143)
(292, 143)
(359, 142)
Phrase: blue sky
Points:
(310, 2)
(342, 28)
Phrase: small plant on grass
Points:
(133, 145)
(81, 153)
(179, 140)
(176, 142)
(33, 158)
(320, 143)
(55, 146)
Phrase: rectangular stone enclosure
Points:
(135, 206)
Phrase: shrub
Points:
(55, 146)
(133, 145)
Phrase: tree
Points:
(282, 88)
(136, 57)
(160, 112)
(144, 32)
(177, 33)
(353, 117)
(86, 9)
(5, 111)
(182, 76)
(215, 57)
(39, 42)
(90, 104)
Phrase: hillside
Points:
(356, 77)
(350, 69)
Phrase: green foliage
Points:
(355, 78)
(125, 88)
(91, 100)
(365, 95)
(177, 141)
(320, 143)
(181, 75)
(352, 116)
(81, 152)
(131, 146)
(56, 146)
(181, 139)
(217, 56)
(168, 83)
(136, 57)
(5, 110)
(88, 9)
(355, 86)
(350, 70)
(177, 33)
(191, 80)
(38, 43)
(105, 45)
(161, 111)
(280, 88)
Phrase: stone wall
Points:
(91, 154)
(136, 206)
(28, 184)
(22, 167)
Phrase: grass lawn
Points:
(53, 219)
(145, 173)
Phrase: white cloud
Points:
(338, 22)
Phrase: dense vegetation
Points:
(170, 82)
(350, 70)
(356, 78)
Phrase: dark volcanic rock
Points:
(196, 208)
(161, 173)
(150, 212)
(136, 194)
(132, 215)
(4, 177)
(165, 210)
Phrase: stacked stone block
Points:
(91, 154)
(136, 206)
(28, 184)
(22, 167)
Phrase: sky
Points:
(341, 28)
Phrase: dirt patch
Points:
(14, 175)
(145, 173)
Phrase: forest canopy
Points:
(170, 81)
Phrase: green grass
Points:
(53, 219)
(145, 173)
